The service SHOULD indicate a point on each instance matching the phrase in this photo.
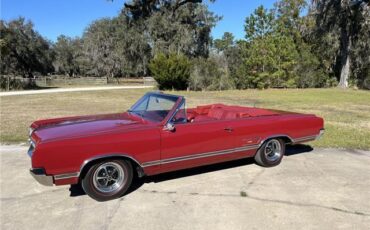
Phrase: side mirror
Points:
(169, 127)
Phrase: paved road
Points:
(311, 189)
(62, 90)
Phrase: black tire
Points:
(265, 158)
(96, 188)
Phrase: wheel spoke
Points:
(273, 150)
(108, 177)
(113, 171)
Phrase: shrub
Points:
(171, 71)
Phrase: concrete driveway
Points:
(311, 189)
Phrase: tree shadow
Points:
(76, 190)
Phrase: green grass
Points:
(346, 112)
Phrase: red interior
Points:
(221, 111)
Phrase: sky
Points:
(52, 18)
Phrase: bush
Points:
(171, 71)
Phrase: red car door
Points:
(195, 144)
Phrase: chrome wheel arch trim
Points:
(291, 140)
(105, 156)
(98, 157)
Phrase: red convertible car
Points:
(159, 134)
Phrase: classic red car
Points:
(159, 134)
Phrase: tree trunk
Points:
(345, 65)
(344, 73)
(345, 46)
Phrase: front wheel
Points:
(270, 153)
(108, 180)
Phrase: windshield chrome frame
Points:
(182, 102)
(170, 113)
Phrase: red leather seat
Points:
(203, 118)
(217, 113)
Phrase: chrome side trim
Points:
(191, 157)
(296, 140)
(309, 138)
(66, 176)
(303, 139)
(200, 155)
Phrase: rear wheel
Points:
(108, 179)
(270, 153)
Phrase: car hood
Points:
(73, 127)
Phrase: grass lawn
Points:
(346, 112)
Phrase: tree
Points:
(99, 45)
(225, 42)
(131, 48)
(124, 45)
(181, 26)
(261, 36)
(305, 66)
(23, 51)
(345, 21)
(210, 74)
(259, 24)
(65, 59)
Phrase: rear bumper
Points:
(41, 177)
(322, 131)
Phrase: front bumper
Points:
(41, 177)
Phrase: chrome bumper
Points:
(41, 177)
(321, 133)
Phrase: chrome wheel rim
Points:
(108, 177)
(272, 150)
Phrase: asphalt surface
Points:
(310, 189)
(62, 90)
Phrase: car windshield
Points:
(154, 106)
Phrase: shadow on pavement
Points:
(76, 190)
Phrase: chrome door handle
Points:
(228, 129)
